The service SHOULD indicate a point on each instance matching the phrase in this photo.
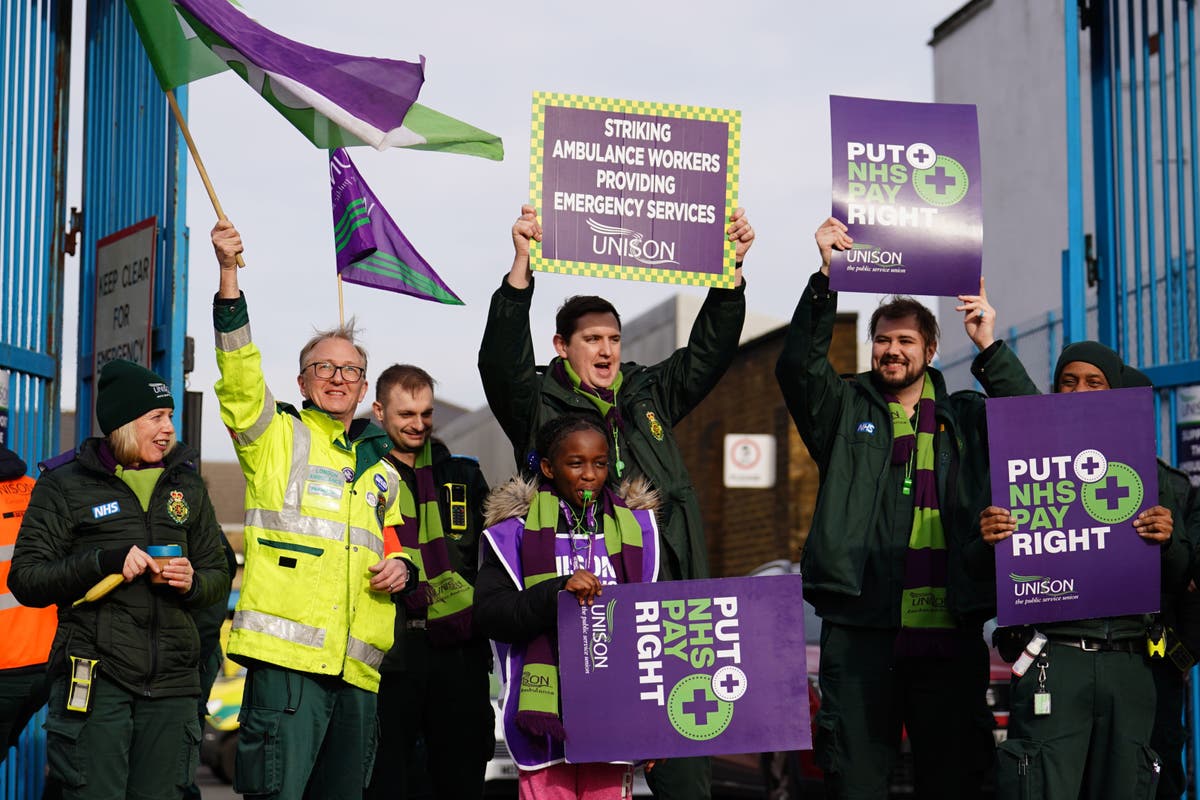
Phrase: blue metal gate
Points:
(35, 40)
(1145, 127)
(35, 37)
(134, 167)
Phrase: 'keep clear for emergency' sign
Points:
(906, 181)
(683, 668)
(1074, 470)
(124, 297)
(640, 191)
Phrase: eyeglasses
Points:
(324, 370)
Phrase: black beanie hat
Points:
(1096, 354)
(1135, 377)
(126, 391)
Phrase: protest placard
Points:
(683, 668)
(633, 190)
(906, 181)
(1075, 470)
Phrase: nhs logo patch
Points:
(101, 511)
(867, 428)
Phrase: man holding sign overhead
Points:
(903, 475)
(639, 405)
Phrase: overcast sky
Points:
(776, 62)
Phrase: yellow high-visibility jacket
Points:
(317, 499)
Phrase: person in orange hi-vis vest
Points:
(26, 633)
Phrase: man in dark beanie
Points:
(127, 390)
(1095, 743)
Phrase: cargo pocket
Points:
(1019, 771)
(259, 768)
(1149, 770)
(65, 758)
(189, 754)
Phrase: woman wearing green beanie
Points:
(122, 537)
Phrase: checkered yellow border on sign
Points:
(678, 277)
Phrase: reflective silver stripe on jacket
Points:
(7, 601)
(251, 434)
(6, 552)
(364, 538)
(301, 447)
(361, 651)
(280, 628)
(292, 522)
(233, 340)
(393, 484)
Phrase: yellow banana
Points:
(106, 585)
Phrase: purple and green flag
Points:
(371, 250)
(335, 100)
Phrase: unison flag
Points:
(371, 250)
(335, 100)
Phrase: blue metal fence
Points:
(35, 38)
(133, 168)
(1145, 123)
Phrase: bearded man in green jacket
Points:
(903, 467)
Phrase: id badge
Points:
(1041, 704)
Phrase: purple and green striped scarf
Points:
(537, 704)
(924, 618)
(443, 595)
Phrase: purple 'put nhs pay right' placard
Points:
(906, 181)
(1075, 470)
(684, 668)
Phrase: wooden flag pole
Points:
(341, 306)
(187, 137)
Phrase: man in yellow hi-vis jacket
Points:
(315, 616)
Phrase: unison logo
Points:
(1040, 585)
(609, 240)
(874, 255)
(601, 636)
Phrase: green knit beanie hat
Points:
(1103, 358)
(126, 391)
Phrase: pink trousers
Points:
(564, 781)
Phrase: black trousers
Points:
(436, 724)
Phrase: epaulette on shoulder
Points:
(464, 457)
(57, 461)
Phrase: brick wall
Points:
(747, 527)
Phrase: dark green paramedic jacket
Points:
(652, 401)
(144, 636)
(1001, 374)
(846, 425)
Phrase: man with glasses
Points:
(315, 615)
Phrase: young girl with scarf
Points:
(567, 531)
